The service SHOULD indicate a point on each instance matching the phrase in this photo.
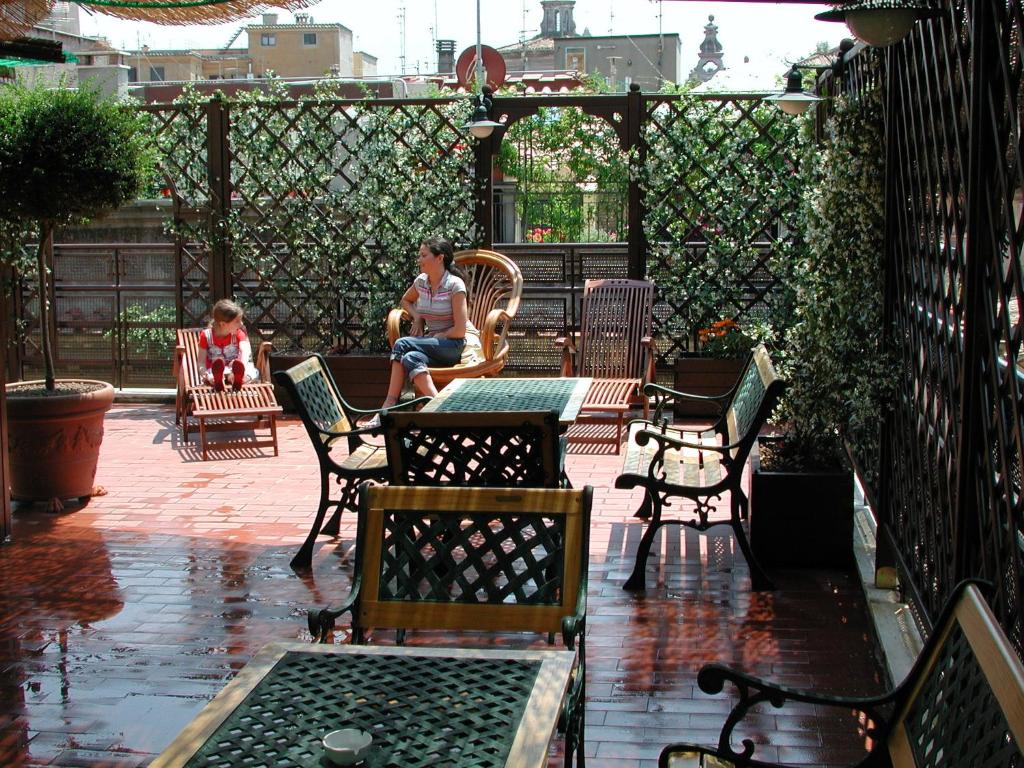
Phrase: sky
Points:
(769, 35)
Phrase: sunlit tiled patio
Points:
(121, 619)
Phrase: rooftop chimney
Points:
(445, 57)
(269, 19)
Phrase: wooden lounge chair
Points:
(198, 407)
(476, 560)
(328, 419)
(616, 349)
(495, 287)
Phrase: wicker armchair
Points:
(495, 287)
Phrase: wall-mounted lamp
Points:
(880, 22)
(794, 100)
(481, 126)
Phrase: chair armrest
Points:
(574, 627)
(568, 347)
(179, 354)
(659, 389)
(321, 621)
(644, 436)
(489, 333)
(650, 347)
(263, 360)
(754, 691)
(394, 324)
(663, 396)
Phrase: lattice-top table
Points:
(423, 706)
(565, 395)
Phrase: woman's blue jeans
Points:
(416, 353)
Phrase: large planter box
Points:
(801, 519)
(362, 378)
(706, 376)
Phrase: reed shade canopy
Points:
(17, 17)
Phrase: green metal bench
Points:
(520, 449)
(473, 559)
(700, 465)
(962, 704)
(328, 418)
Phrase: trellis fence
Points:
(309, 213)
(949, 491)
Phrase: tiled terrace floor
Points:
(121, 619)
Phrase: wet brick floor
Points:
(120, 619)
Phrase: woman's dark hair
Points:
(439, 246)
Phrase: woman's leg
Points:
(424, 385)
(395, 384)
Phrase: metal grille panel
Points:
(420, 711)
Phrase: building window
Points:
(133, 75)
(157, 75)
(309, 38)
(576, 59)
(268, 40)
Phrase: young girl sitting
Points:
(224, 349)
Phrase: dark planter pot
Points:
(801, 519)
(362, 378)
(54, 441)
(706, 376)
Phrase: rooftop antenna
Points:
(401, 37)
(611, 18)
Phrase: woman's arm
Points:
(460, 315)
(408, 303)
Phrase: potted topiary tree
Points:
(65, 156)
(839, 377)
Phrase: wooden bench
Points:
(700, 465)
(962, 704)
(328, 418)
(475, 559)
(519, 449)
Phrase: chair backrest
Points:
(494, 281)
(189, 339)
(753, 399)
(513, 449)
(964, 698)
(316, 398)
(615, 315)
(470, 558)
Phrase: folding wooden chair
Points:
(616, 349)
(198, 407)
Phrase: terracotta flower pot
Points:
(54, 440)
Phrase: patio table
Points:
(565, 395)
(423, 707)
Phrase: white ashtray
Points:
(347, 746)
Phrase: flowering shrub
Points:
(330, 200)
(540, 235)
(840, 381)
(721, 215)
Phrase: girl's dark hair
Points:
(439, 246)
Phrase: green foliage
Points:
(570, 171)
(68, 155)
(840, 381)
(330, 201)
(720, 186)
(143, 334)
